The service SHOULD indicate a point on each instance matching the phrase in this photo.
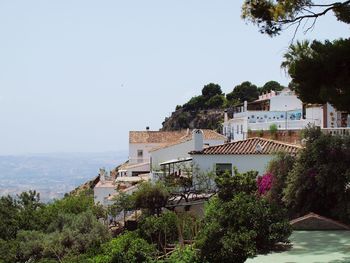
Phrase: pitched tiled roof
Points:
(155, 136)
(251, 146)
(170, 137)
(207, 135)
(314, 221)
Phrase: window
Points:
(237, 129)
(221, 168)
(139, 153)
(241, 129)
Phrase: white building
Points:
(104, 188)
(179, 151)
(246, 155)
(282, 109)
(140, 145)
(148, 149)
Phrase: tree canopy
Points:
(319, 180)
(271, 85)
(320, 72)
(272, 16)
(245, 91)
(238, 223)
(210, 90)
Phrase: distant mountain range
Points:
(53, 174)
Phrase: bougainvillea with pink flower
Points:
(264, 183)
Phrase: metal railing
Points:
(282, 125)
(337, 131)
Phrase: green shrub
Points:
(159, 230)
(184, 255)
(273, 130)
(239, 224)
(126, 248)
(319, 180)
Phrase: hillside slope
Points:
(200, 119)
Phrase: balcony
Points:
(283, 124)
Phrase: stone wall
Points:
(288, 136)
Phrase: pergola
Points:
(170, 167)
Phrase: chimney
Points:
(147, 128)
(245, 107)
(102, 175)
(197, 137)
(225, 116)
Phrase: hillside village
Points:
(250, 138)
(257, 174)
(271, 185)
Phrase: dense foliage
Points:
(151, 197)
(274, 16)
(246, 91)
(160, 230)
(277, 171)
(319, 180)
(238, 223)
(64, 230)
(205, 111)
(320, 72)
(126, 248)
(212, 96)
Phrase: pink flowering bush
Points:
(264, 183)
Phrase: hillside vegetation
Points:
(206, 111)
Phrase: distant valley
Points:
(53, 174)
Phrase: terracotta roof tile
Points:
(251, 146)
(314, 221)
(170, 137)
(155, 136)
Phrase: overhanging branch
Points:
(311, 14)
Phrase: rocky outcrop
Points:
(199, 119)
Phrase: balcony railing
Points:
(283, 124)
(337, 131)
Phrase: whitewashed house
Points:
(170, 158)
(245, 155)
(104, 188)
(148, 149)
(282, 109)
(140, 145)
(287, 112)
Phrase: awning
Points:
(181, 160)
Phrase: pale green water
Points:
(312, 247)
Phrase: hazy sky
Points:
(76, 76)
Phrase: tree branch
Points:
(314, 15)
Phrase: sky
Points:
(76, 76)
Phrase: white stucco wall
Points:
(236, 129)
(145, 167)
(285, 103)
(146, 147)
(101, 193)
(177, 151)
(244, 163)
(314, 115)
